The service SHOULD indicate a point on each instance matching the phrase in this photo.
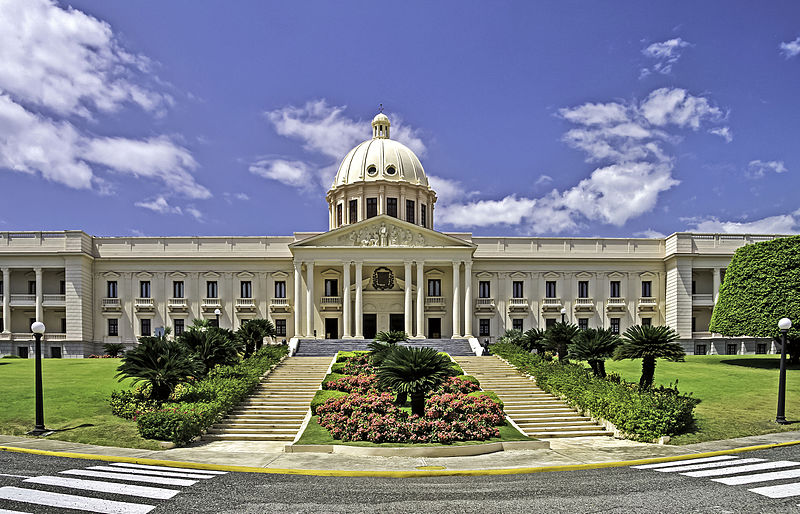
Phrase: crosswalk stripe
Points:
(4, 511)
(129, 477)
(708, 465)
(150, 472)
(742, 469)
(166, 468)
(759, 477)
(156, 493)
(778, 491)
(684, 462)
(70, 501)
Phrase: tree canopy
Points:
(762, 285)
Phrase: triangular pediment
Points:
(383, 232)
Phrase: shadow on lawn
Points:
(760, 363)
(70, 428)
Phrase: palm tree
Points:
(558, 338)
(594, 346)
(159, 362)
(649, 343)
(534, 339)
(384, 343)
(114, 349)
(212, 347)
(414, 371)
(252, 333)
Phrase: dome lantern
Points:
(380, 126)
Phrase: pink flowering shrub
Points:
(353, 384)
(458, 385)
(359, 365)
(456, 406)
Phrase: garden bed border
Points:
(422, 451)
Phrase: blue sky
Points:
(532, 118)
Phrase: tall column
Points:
(310, 299)
(717, 283)
(346, 301)
(6, 300)
(408, 312)
(456, 300)
(39, 309)
(359, 302)
(421, 299)
(468, 299)
(298, 324)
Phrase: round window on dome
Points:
(390, 170)
(372, 170)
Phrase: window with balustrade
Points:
(144, 289)
(583, 289)
(177, 289)
(111, 289)
(331, 287)
(211, 289)
(517, 289)
(647, 289)
(246, 289)
(614, 289)
(280, 289)
(31, 287)
(434, 287)
(550, 289)
(484, 290)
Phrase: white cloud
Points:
(758, 168)
(239, 197)
(510, 211)
(447, 190)
(542, 180)
(596, 114)
(291, 173)
(779, 224)
(195, 213)
(159, 205)
(666, 54)
(68, 62)
(650, 233)
(790, 48)
(676, 106)
(723, 132)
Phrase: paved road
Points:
(763, 481)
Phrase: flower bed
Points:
(643, 414)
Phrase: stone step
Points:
(234, 430)
(571, 433)
(545, 417)
(264, 426)
(295, 420)
(559, 425)
(248, 437)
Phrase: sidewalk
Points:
(562, 452)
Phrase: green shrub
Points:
(645, 414)
(332, 377)
(126, 404)
(12, 357)
(490, 394)
(343, 356)
(114, 349)
(177, 424)
(457, 371)
(470, 378)
(338, 367)
(323, 396)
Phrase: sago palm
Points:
(558, 337)
(252, 333)
(212, 347)
(414, 371)
(159, 362)
(649, 343)
(594, 346)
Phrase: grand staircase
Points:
(275, 411)
(329, 347)
(537, 413)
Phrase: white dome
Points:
(380, 158)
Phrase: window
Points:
(353, 211)
(1, 287)
(614, 325)
(179, 327)
(144, 289)
(731, 347)
(55, 352)
(483, 327)
(614, 289)
(549, 322)
(483, 289)
(280, 289)
(22, 351)
(113, 327)
(694, 324)
(31, 287)
(372, 207)
(246, 289)
(372, 170)
(583, 323)
(516, 324)
(145, 327)
(700, 349)
(391, 170)
(647, 289)
(62, 287)
(2, 327)
(280, 327)
(423, 216)
(550, 289)
(177, 289)
(646, 322)
(761, 349)
(434, 287)
(331, 287)
(517, 289)
(339, 214)
(694, 287)
(391, 207)
(410, 211)
(63, 325)
(583, 289)
(211, 289)
(111, 289)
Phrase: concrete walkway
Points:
(269, 455)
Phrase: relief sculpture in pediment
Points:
(384, 235)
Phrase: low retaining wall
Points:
(422, 451)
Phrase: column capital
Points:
(5, 270)
(408, 264)
(457, 264)
(38, 271)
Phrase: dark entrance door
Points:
(22, 351)
(397, 322)
(370, 326)
(331, 328)
(434, 328)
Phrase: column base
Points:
(417, 337)
(348, 337)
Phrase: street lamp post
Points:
(38, 329)
(563, 314)
(217, 312)
(784, 324)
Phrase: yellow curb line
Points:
(392, 474)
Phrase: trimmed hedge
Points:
(490, 394)
(323, 396)
(642, 414)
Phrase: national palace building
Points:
(380, 266)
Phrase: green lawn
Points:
(738, 392)
(75, 394)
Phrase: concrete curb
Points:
(424, 451)
(395, 474)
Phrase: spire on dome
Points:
(380, 125)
